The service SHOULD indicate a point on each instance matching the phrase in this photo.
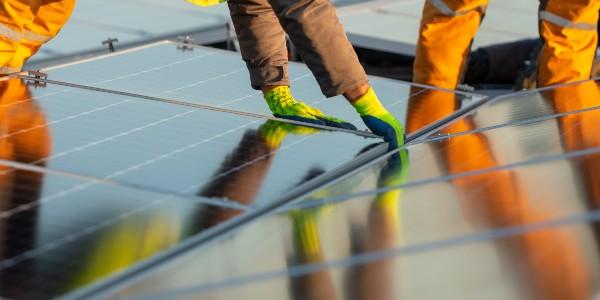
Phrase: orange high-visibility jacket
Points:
(568, 29)
(25, 25)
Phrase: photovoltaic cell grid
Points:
(170, 148)
(220, 78)
(219, 162)
(516, 204)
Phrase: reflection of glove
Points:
(206, 2)
(395, 171)
(306, 234)
(273, 132)
(392, 175)
(284, 105)
(379, 120)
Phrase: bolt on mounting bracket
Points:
(184, 42)
(110, 43)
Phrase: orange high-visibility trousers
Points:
(25, 25)
(568, 29)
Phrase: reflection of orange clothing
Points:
(580, 131)
(23, 138)
(25, 25)
(553, 263)
(568, 29)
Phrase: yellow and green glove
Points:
(379, 119)
(206, 2)
(283, 105)
(273, 132)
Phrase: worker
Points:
(314, 29)
(567, 28)
(25, 25)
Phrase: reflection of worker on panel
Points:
(308, 249)
(552, 263)
(25, 25)
(242, 173)
(568, 29)
(24, 138)
(580, 130)
(375, 280)
(383, 231)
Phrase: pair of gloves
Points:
(378, 119)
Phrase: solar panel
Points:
(219, 78)
(169, 147)
(393, 26)
(94, 21)
(141, 144)
(60, 232)
(499, 229)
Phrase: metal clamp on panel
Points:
(184, 42)
(110, 43)
(36, 78)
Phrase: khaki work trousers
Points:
(315, 31)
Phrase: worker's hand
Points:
(379, 120)
(283, 105)
(273, 132)
(206, 2)
(386, 126)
